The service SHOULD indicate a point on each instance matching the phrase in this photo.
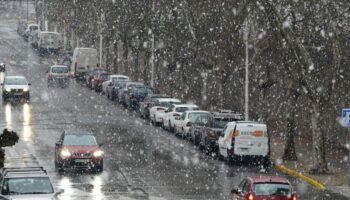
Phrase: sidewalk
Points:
(335, 181)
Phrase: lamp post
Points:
(246, 86)
(152, 53)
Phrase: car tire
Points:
(99, 168)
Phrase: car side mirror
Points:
(60, 191)
(101, 144)
(58, 144)
(29, 84)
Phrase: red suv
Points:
(78, 150)
(264, 188)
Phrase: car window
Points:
(59, 70)
(183, 116)
(27, 185)
(272, 189)
(245, 187)
(79, 140)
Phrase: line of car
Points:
(223, 133)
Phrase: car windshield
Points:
(79, 140)
(221, 122)
(143, 90)
(193, 116)
(15, 81)
(27, 185)
(183, 109)
(119, 79)
(272, 189)
(59, 70)
(120, 84)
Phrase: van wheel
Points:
(266, 162)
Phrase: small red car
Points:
(99, 79)
(78, 150)
(264, 188)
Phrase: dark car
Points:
(15, 87)
(205, 131)
(264, 188)
(78, 150)
(2, 65)
(148, 102)
(137, 93)
(99, 79)
(89, 76)
(112, 89)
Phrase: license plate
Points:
(17, 94)
(82, 160)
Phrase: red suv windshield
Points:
(272, 189)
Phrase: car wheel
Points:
(266, 162)
(99, 168)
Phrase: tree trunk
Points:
(115, 57)
(136, 69)
(125, 57)
(289, 147)
(319, 139)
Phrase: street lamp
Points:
(246, 87)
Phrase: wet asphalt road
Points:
(141, 161)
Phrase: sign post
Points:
(346, 122)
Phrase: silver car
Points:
(27, 183)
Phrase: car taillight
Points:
(294, 196)
(250, 196)
(189, 124)
(158, 109)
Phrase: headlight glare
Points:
(98, 153)
(65, 153)
(25, 89)
(8, 89)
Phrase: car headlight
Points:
(25, 89)
(2, 64)
(65, 153)
(98, 153)
(8, 89)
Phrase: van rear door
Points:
(251, 139)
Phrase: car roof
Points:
(77, 132)
(168, 100)
(245, 123)
(186, 105)
(197, 111)
(267, 179)
(119, 75)
(15, 77)
(59, 66)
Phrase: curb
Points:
(316, 184)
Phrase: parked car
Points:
(48, 42)
(30, 28)
(78, 150)
(244, 139)
(157, 112)
(15, 87)
(25, 183)
(2, 65)
(183, 123)
(21, 27)
(90, 75)
(99, 79)
(136, 94)
(84, 60)
(113, 78)
(175, 111)
(113, 89)
(205, 131)
(58, 75)
(148, 102)
(264, 188)
(123, 92)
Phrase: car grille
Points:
(82, 155)
(16, 90)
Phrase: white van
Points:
(84, 60)
(245, 139)
(49, 42)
